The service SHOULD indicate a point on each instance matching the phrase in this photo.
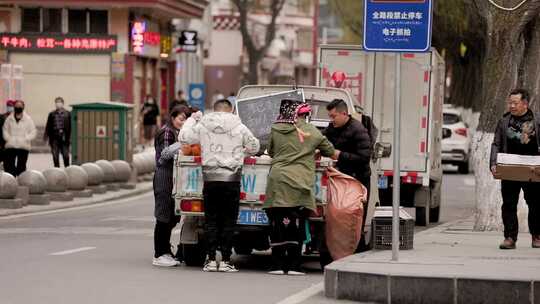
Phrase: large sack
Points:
(344, 214)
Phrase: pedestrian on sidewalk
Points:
(150, 117)
(19, 130)
(289, 190)
(517, 132)
(58, 132)
(167, 145)
(9, 109)
(225, 141)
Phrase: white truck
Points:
(252, 232)
(370, 79)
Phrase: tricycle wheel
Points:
(194, 254)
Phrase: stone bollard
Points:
(95, 178)
(78, 181)
(37, 185)
(57, 185)
(123, 174)
(8, 192)
(110, 174)
(149, 165)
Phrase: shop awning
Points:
(166, 8)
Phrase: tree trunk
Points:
(253, 71)
(512, 60)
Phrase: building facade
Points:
(290, 59)
(94, 50)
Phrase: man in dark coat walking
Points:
(58, 132)
(517, 133)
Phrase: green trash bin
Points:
(102, 130)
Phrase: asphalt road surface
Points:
(102, 254)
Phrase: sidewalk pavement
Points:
(450, 263)
(141, 188)
(41, 161)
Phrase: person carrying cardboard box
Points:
(517, 133)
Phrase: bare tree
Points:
(512, 58)
(256, 53)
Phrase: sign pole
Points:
(396, 144)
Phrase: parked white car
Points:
(456, 141)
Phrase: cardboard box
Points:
(524, 168)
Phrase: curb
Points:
(142, 188)
(386, 284)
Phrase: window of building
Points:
(52, 20)
(99, 22)
(31, 20)
(77, 21)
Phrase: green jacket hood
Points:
(283, 128)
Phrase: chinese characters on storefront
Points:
(58, 43)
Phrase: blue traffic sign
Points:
(196, 95)
(397, 25)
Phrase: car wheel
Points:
(463, 168)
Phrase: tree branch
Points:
(242, 6)
(275, 8)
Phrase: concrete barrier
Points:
(108, 170)
(57, 180)
(8, 191)
(8, 186)
(96, 176)
(57, 185)
(37, 185)
(78, 181)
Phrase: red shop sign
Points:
(58, 43)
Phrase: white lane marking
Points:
(68, 209)
(303, 295)
(470, 181)
(66, 252)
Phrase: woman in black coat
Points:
(167, 145)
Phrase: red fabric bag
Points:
(344, 214)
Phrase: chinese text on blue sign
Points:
(397, 25)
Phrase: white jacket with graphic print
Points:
(18, 135)
(224, 140)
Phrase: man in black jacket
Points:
(352, 140)
(518, 133)
(58, 132)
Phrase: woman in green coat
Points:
(290, 187)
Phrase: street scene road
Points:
(103, 253)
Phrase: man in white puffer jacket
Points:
(225, 141)
(19, 130)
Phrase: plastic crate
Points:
(382, 229)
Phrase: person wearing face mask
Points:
(18, 130)
(58, 132)
(167, 145)
(150, 116)
(9, 109)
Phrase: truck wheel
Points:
(194, 254)
(325, 259)
(463, 168)
(422, 216)
(324, 255)
(434, 214)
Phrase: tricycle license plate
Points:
(383, 182)
(252, 217)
